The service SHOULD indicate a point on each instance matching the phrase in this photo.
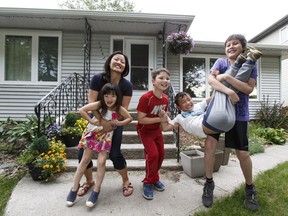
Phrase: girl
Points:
(116, 68)
(94, 139)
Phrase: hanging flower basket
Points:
(180, 43)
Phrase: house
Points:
(277, 34)
(40, 48)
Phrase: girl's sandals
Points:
(128, 190)
(84, 188)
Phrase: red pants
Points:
(154, 153)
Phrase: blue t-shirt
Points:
(97, 83)
(242, 107)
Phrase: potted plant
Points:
(44, 158)
(73, 128)
(71, 136)
(179, 43)
(53, 161)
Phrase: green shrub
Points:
(256, 145)
(272, 115)
(40, 145)
(12, 131)
(272, 135)
(71, 118)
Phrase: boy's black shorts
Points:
(237, 137)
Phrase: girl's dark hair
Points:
(180, 95)
(110, 88)
(156, 72)
(239, 37)
(106, 74)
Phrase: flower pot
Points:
(35, 172)
(226, 151)
(193, 162)
(70, 141)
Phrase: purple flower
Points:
(179, 43)
(54, 131)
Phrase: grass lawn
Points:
(272, 188)
(6, 187)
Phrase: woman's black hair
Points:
(110, 88)
(106, 74)
(239, 37)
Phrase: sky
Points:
(214, 20)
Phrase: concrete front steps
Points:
(133, 151)
(132, 164)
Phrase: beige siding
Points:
(72, 54)
(284, 82)
(269, 73)
(270, 78)
(174, 67)
(273, 38)
(17, 101)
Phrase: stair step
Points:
(131, 126)
(130, 151)
(133, 165)
(132, 137)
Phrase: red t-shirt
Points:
(151, 105)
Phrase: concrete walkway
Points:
(182, 196)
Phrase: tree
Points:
(100, 5)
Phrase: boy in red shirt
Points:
(149, 130)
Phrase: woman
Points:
(116, 68)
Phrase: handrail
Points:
(68, 96)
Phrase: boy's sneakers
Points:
(251, 201)
(253, 54)
(241, 58)
(207, 197)
(159, 186)
(71, 198)
(92, 199)
(148, 191)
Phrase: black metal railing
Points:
(68, 96)
(173, 111)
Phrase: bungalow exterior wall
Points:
(17, 101)
(274, 38)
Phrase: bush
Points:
(256, 145)
(272, 115)
(71, 118)
(40, 145)
(270, 135)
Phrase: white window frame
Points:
(34, 64)
(207, 72)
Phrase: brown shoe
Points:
(253, 54)
(240, 59)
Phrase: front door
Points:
(142, 60)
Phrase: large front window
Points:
(29, 56)
(195, 70)
(18, 51)
(195, 74)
